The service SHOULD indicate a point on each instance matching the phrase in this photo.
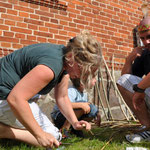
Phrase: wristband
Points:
(137, 89)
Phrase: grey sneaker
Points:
(138, 137)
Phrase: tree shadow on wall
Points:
(48, 3)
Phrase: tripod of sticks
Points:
(111, 77)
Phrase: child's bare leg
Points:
(78, 114)
(17, 134)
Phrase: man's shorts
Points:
(127, 81)
(7, 117)
(60, 119)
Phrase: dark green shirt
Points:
(16, 65)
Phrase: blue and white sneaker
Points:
(138, 137)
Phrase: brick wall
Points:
(24, 22)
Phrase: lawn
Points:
(110, 136)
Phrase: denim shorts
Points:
(60, 119)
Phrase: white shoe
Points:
(138, 137)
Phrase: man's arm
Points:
(127, 69)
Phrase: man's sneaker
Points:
(138, 137)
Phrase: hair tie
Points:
(72, 40)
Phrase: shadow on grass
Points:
(115, 135)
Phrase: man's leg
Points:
(125, 87)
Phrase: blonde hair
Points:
(86, 51)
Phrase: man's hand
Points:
(47, 140)
(138, 100)
(135, 53)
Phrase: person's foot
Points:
(138, 137)
(98, 119)
(65, 133)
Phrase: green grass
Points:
(106, 138)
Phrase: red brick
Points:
(32, 38)
(12, 1)
(33, 27)
(52, 40)
(72, 15)
(17, 46)
(4, 27)
(8, 39)
(62, 42)
(21, 30)
(63, 18)
(22, 25)
(78, 21)
(64, 23)
(21, 3)
(11, 17)
(7, 45)
(60, 37)
(44, 18)
(35, 22)
(1, 32)
(71, 29)
(33, 16)
(19, 35)
(6, 5)
(41, 40)
(79, 26)
(54, 31)
(42, 13)
(12, 12)
(45, 29)
(63, 32)
(25, 9)
(9, 22)
(2, 10)
(27, 42)
(9, 34)
(54, 21)
(44, 34)
(23, 14)
(53, 25)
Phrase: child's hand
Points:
(85, 107)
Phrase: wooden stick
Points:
(114, 82)
(115, 86)
(106, 99)
(84, 126)
(101, 101)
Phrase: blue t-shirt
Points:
(76, 96)
(16, 65)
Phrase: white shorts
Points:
(7, 117)
(127, 81)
